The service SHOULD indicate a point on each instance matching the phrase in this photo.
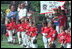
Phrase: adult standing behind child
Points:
(13, 13)
(22, 11)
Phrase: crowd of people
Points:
(52, 31)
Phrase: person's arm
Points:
(9, 15)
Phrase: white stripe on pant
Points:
(68, 45)
(45, 42)
(32, 39)
(23, 38)
(57, 29)
(19, 39)
(10, 36)
(28, 41)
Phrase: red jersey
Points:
(25, 24)
(9, 26)
(62, 37)
(68, 38)
(45, 30)
(14, 25)
(20, 28)
(31, 29)
(28, 30)
(33, 34)
(52, 34)
(49, 32)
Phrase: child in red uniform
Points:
(13, 21)
(10, 28)
(51, 35)
(21, 30)
(18, 32)
(62, 38)
(24, 24)
(33, 34)
(8, 32)
(44, 30)
(68, 38)
(28, 35)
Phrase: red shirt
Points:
(52, 34)
(68, 38)
(31, 29)
(33, 34)
(62, 37)
(9, 26)
(49, 32)
(25, 24)
(13, 25)
(20, 28)
(45, 30)
(28, 30)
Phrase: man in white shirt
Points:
(22, 11)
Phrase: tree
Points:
(35, 5)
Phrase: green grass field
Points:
(4, 43)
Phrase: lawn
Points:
(4, 43)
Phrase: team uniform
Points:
(13, 31)
(68, 40)
(10, 30)
(45, 31)
(20, 30)
(61, 38)
(51, 36)
(65, 39)
(25, 26)
(31, 35)
(27, 36)
(18, 33)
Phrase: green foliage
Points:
(4, 6)
(35, 5)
